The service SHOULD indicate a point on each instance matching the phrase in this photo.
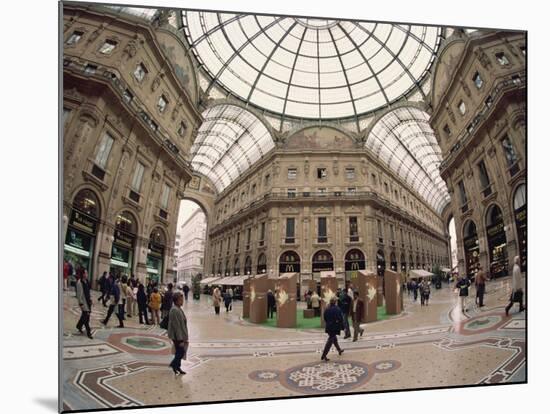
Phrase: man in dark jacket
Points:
(85, 303)
(167, 300)
(270, 303)
(462, 285)
(141, 298)
(114, 302)
(344, 302)
(334, 322)
(357, 315)
(103, 288)
(186, 291)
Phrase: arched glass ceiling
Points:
(405, 142)
(229, 141)
(311, 68)
(146, 14)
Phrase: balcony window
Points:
(353, 229)
(107, 47)
(462, 193)
(104, 151)
(289, 237)
(140, 72)
(165, 196)
(509, 151)
(292, 173)
(74, 38)
(291, 193)
(321, 173)
(138, 177)
(90, 69)
(322, 230)
(483, 175)
(502, 59)
(350, 173)
(461, 107)
(162, 103)
(478, 81)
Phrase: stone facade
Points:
(479, 115)
(191, 255)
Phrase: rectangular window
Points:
(462, 107)
(266, 180)
(321, 173)
(502, 59)
(107, 47)
(509, 152)
(289, 230)
(353, 229)
(322, 230)
(379, 223)
(253, 189)
(165, 196)
(292, 173)
(90, 69)
(462, 193)
(138, 177)
(291, 192)
(74, 38)
(352, 190)
(262, 234)
(350, 173)
(127, 96)
(392, 234)
(483, 176)
(140, 72)
(162, 103)
(238, 242)
(478, 81)
(104, 150)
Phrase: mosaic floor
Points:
(231, 359)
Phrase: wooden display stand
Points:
(286, 300)
(246, 297)
(258, 299)
(380, 291)
(309, 313)
(329, 286)
(392, 281)
(368, 284)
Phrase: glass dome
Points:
(311, 68)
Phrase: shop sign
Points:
(495, 230)
(124, 238)
(354, 265)
(289, 267)
(320, 267)
(83, 222)
(78, 240)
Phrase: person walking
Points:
(344, 303)
(85, 302)
(130, 300)
(231, 295)
(177, 332)
(270, 303)
(65, 274)
(141, 298)
(307, 297)
(315, 304)
(216, 299)
(425, 292)
(227, 300)
(517, 287)
(154, 304)
(103, 288)
(462, 285)
(186, 291)
(167, 300)
(334, 322)
(414, 287)
(114, 302)
(358, 309)
(123, 294)
(479, 282)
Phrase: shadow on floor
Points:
(49, 403)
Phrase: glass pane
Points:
(104, 150)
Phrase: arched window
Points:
(289, 262)
(520, 197)
(237, 267)
(86, 202)
(126, 222)
(248, 265)
(157, 236)
(262, 264)
(355, 260)
(322, 261)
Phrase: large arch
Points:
(289, 262)
(404, 140)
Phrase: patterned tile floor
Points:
(231, 359)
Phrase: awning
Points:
(419, 273)
(208, 280)
(445, 269)
(232, 281)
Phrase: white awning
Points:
(419, 273)
(445, 269)
(208, 280)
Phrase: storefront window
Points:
(496, 240)
(520, 215)
(289, 262)
(471, 248)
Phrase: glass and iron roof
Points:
(230, 140)
(311, 68)
(404, 140)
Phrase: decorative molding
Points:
(94, 181)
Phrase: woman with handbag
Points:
(517, 288)
(177, 332)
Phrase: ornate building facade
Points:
(191, 253)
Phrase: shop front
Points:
(155, 256)
(78, 249)
(122, 251)
(520, 215)
(496, 241)
(289, 262)
(471, 248)
(353, 262)
(322, 261)
(393, 262)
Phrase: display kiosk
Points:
(246, 297)
(368, 292)
(258, 299)
(286, 300)
(392, 282)
(329, 286)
